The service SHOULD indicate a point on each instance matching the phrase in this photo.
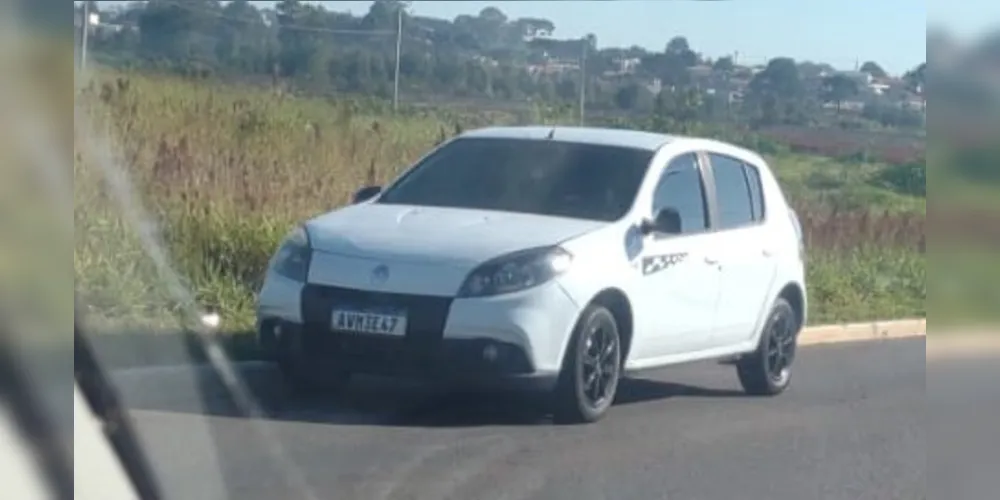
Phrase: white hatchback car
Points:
(564, 257)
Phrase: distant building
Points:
(486, 61)
(862, 78)
(880, 86)
(553, 66)
(623, 66)
(655, 87)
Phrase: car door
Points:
(679, 283)
(746, 260)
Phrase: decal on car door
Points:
(656, 263)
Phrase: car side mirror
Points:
(667, 221)
(366, 193)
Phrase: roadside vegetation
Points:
(226, 171)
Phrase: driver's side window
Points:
(681, 188)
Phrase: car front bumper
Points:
(514, 338)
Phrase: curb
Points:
(854, 332)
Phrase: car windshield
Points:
(545, 177)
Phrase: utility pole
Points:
(399, 49)
(583, 81)
(85, 26)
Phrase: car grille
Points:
(426, 317)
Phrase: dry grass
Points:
(227, 171)
(840, 232)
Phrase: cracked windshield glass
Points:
(523, 250)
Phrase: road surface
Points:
(852, 426)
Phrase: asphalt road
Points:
(852, 426)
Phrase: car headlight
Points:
(293, 256)
(516, 271)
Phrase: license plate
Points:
(366, 322)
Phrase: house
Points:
(623, 66)
(553, 66)
(881, 86)
(655, 86)
(486, 61)
(914, 102)
(701, 72)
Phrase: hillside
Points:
(491, 59)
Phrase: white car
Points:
(560, 257)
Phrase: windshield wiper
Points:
(106, 405)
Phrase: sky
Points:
(838, 32)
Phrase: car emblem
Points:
(380, 274)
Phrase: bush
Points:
(908, 178)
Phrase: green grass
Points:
(227, 171)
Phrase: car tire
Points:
(768, 370)
(303, 375)
(592, 357)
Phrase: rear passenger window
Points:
(756, 196)
(681, 188)
(732, 192)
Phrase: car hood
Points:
(436, 235)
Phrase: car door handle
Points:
(767, 252)
(712, 261)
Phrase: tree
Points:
(677, 45)
(677, 108)
(244, 40)
(679, 51)
(180, 31)
(837, 89)
(916, 79)
(873, 69)
(671, 66)
(567, 89)
(493, 16)
(295, 51)
(633, 96)
(382, 14)
(775, 94)
(724, 64)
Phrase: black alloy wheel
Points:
(768, 370)
(591, 370)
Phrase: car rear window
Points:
(545, 177)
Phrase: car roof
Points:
(637, 139)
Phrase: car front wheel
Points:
(768, 370)
(591, 369)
